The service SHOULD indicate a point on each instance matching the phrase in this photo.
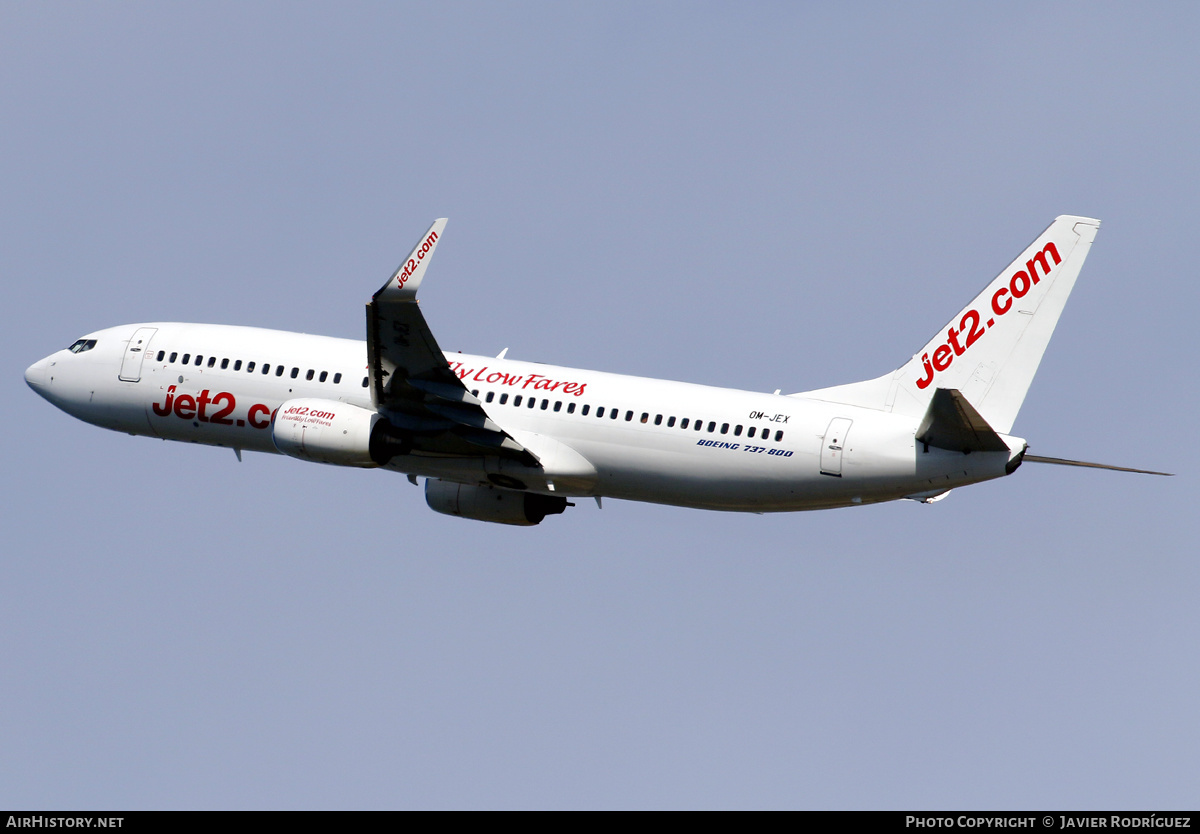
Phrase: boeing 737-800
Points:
(508, 441)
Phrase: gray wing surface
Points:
(411, 381)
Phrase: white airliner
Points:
(507, 441)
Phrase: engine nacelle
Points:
(329, 431)
(487, 503)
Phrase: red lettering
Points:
(958, 349)
(1040, 260)
(253, 414)
(221, 417)
(997, 306)
(972, 317)
(185, 403)
(200, 404)
(924, 383)
(942, 357)
(1020, 284)
(164, 410)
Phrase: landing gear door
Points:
(832, 445)
(135, 352)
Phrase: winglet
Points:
(406, 280)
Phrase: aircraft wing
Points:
(411, 382)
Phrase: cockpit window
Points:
(82, 345)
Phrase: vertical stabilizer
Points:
(992, 348)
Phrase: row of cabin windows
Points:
(615, 413)
(198, 361)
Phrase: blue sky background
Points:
(767, 196)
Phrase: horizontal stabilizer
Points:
(1065, 462)
(952, 423)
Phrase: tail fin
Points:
(992, 348)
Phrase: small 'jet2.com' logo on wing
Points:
(418, 256)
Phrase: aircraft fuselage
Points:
(647, 439)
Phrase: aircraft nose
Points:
(36, 374)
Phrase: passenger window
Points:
(475, 393)
(628, 416)
(366, 382)
(295, 372)
(324, 376)
(491, 395)
(337, 379)
(224, 364)
(670, 422)
(545, 404)
(737, 431)
(517, 400)
(161, 354)
(600, 411)
(250, 368)
(266, 368)
(199, 359)
(186, 358)
(558, 405)
(658, 419)
(778, 436)
(613, 412)
(570, 408)
(279, 371)
(751, 432)
(724, 428)
(583, 412)
(309, 376)
(237, 365)
(683, 424)
(712, 427)
(503, 399)
(174, 356)
(532, 402)
(212, 360)
(645, 417)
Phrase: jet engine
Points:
(329, 431)
(488, 503)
